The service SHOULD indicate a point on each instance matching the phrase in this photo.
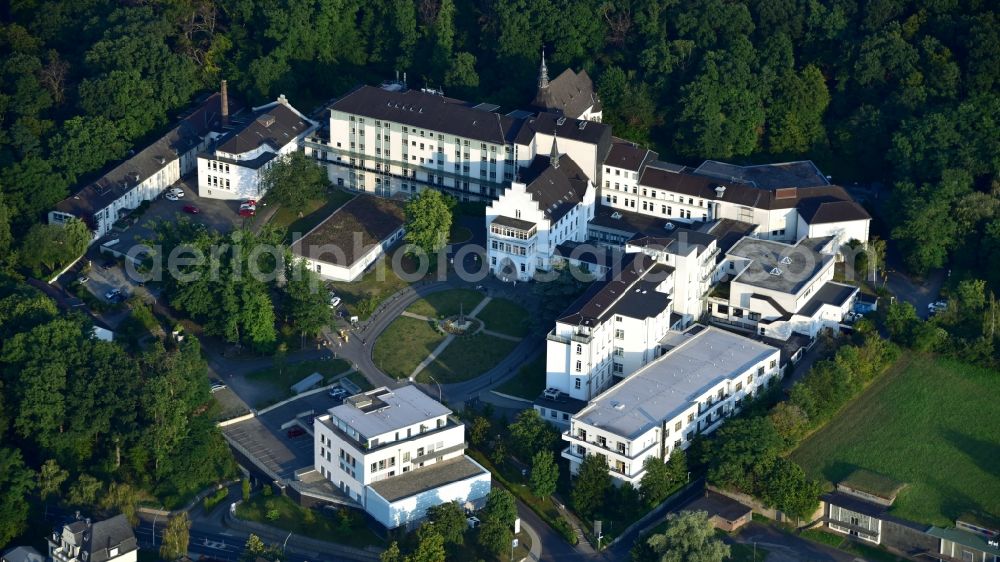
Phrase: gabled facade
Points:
(549, 205)
(397, 453)
(111, 540)
(570, 94)
(233, 166)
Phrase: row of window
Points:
(218, 166)
(216, 181)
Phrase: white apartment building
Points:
(232, 167)
(549, 204)
(689, 390)
(111, 540)
(147, 174)
(390, 140)
(775, 289)
(397, 452)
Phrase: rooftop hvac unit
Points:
(775, 271)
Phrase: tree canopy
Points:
(428, 220)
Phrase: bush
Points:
(245, 488)
(213, 500)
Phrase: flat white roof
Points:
(663, 389)
(391, 410)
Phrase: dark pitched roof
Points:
(590, 132)
(729, 232)
(570, 94)
(628, 156)
(187, 134)
(556, 190)
(275, 126)
(372, 218)
(108, 534)
(703, 187)
(631, 222)
(429, 111)
(831, 293)
(802, 173)
(602, 297)
(513, 222)
(827, 209)
(594, 254)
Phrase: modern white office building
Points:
(775, 288)
(148, 173)
(397, 452)
(231, 167)
(704, 377)
(111, 540)
(550, 203)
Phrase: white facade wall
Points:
(470, 493)
(220, 176)
(387, 158)
(334, 272)
(843, 232)
(584, 154)
(625, 455)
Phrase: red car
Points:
(245, 212)
(249, 203)
(191, 209)
(296, 431)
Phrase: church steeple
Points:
(554, 153)
(543, 73)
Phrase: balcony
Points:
(509, 227)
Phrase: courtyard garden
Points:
(899, 428)
(475, 343)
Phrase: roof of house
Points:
(779, 266)
(594, 254)
(829, 209)
(275, 125)
(581, 130)
(22, 554)
(386, 410)
(872, 509)
(628, 155)
(964, 538)
(628, 222)
(570, 93)
(601, 298)
(102, 536)
(802, 173)
(729, 232)
(736, 191)
(350, 231)
(666, 387)
(429, 111)
(187, 134)
(831, 293)
(512, 222)
(872, 483)
(427, 478)
(556, 189)
(716, 504)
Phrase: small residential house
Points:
(22, 554)
(970, 540)
(148, 173)
(548, 205)
(352, 238)
(397, 453)
(232, 167)
(111, 540)
(571, 94)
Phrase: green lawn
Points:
(929, 422)
(466, 358)
(362, 296)
(282, 379)
(446, 303)
(507, 317)
(847, 545)
(745, 552)
(316, 524)
(316, 210)
(403, 345)
(360, 380)
(529, 381)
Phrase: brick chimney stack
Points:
(225, 105)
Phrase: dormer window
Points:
(113, 552)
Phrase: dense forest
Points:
(893, 91)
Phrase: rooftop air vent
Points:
(583, 124)
(616, 215)
(619, 406)
(560, 121)
(668, 226)
(775, 271)
(266, 119)
(720, 190)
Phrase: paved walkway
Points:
(447, 340)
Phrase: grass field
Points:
(291, 373)
(403, 345)
(529, 382)
(929, 422)
(374, 286)
(349, 529)
(446, 303)
(507, 317)
(466, 358)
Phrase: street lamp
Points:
(283, 545)
(438, 384)
(155, 515)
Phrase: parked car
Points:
(170, 196)
(338, 394)
(249, 203)
(938, 306)
(296, 431)
(176, 191)
(191, 209)
(334, 301)
(247, 212)
(114, 295)
(82, 279)
(216, 385)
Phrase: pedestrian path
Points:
(499, 335)
(409, 314)
(447, 340)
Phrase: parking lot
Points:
(265, 438)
